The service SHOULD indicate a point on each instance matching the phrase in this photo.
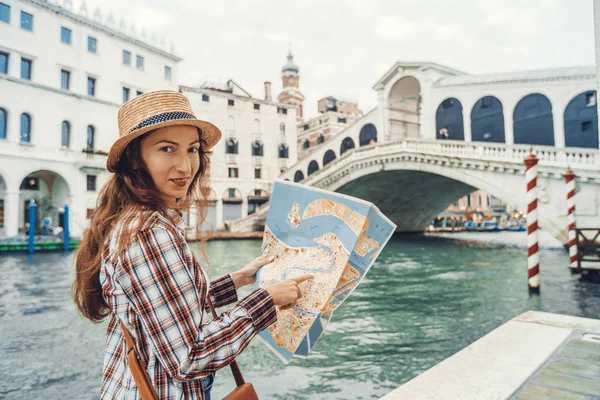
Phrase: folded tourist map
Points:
(334, 237)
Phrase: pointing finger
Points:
(302, 278)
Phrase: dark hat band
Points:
(157, 119)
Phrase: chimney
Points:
(268, 91)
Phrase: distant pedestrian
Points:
(135, 265)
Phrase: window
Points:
(468, 200)
(486, 102)
(230, 102)
(25, 128)
(586, 125)
(66, 134)
(26, 68)
(90, 138)
(92, 45)
(91, 183)
(139, 62)
(167, 73)
(283, 151)
(65, 35)
(590, 99)
(26, 21)
(126, 57)
(256, 106)
(257, 149)
(91, 86)
(3, 120)
(342, 120)
(321, 139)
(257, 173)
(281, 110)
(3, 63)
(138, 93)
(306, 127)
(306, 144)
(282, 129)
(231, 147)
(231, 193)
(65, 77)
(5, 13)
(233, 172)
(125, 95)
(205, 97)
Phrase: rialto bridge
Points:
(438, 134)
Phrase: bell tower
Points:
(291, 87)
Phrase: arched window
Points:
(347, 144)
(25, 128)
(66, 134)
(257, 149)
(367, 135)
(306, 144)
(283, 151)
(532, 121)
(3, 123)
(581, 121)
(282, 129)
(91, 132)
(321, 139)
(313, 167)
(449, 120)
(328, 157)
(487, 120)
(298, 176)
(231, 146)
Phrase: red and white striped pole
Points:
(533, 257)
(570, 181)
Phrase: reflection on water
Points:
(425, 299)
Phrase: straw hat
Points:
(155, 110)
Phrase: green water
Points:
(425, 299)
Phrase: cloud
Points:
(345, 47)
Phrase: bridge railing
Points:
(499, 152)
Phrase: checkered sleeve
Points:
(222, 292)
(161, 289)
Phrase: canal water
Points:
(425, 299)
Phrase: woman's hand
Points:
(247, 275)
(287, 293)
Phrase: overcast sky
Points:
(343, 47)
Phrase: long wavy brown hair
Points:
(130, 186)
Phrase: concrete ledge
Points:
(498, 364)
(224, 235)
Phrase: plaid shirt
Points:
(155, 288)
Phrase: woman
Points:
(134, 263)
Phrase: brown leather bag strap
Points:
(235, 369)
(128, 338)
(137, 367)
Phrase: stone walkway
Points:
(533, 356)
(572, 372)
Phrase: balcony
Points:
(231, 134)
(283, 163)
(231, 158)
(257, 161)
(256, 137)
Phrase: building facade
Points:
(64, 74)
(335, 116)
(259, 142)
